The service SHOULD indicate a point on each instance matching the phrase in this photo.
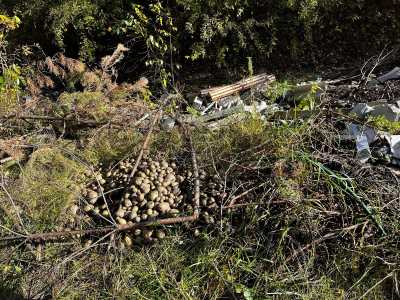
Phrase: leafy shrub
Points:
(219, 32)
(10, 75)
(154, 25)
(10, 82)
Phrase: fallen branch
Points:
(51, 236)
(72, 122)
(4, 160)
(144, 147)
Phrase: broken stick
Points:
(52, 236)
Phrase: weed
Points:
(381, 123)
(277, 90)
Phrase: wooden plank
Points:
(217, 93)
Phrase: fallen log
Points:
(218, 93)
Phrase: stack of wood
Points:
(218, 93)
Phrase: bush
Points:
(218, 32)
(10, 75)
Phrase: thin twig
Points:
(376, 284)
(196, 196)
(320, 240)
(255, 204)
(345, 184)
(75, 157)
(13, 204)
(4, 160)
(73, 122)
(234, 199)
(145, 146)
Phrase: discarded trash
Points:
(363, 151)
(218, 93)
(198, 102)
(364, 137)
(389, 111)
(257, 107)
(167, 123)
(229, 102)
(372, 81)
(361, 109)
(394, 143)
(376, 109)
(392, 75)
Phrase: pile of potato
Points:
(156, 191)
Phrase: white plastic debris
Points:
(229, 102)
(257, 107)
(167, 123)
(390, 111)
(361, 109)
(198, 102)
(363, 151)
(208, 108)
(392, 75)
(364, 136)
(394, 143)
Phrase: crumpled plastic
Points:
(376, 109)
(364, 136)
(392, 75)
(394, 143)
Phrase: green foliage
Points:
(277, 89)
(85, 18)
(163, 35)
(7, 24)
(171, 142)
(75, 26)
(10, 88)
(10, 76)
(154, 25)
(308, 100)
(250, 68)
(384, 124)
(221, 29)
